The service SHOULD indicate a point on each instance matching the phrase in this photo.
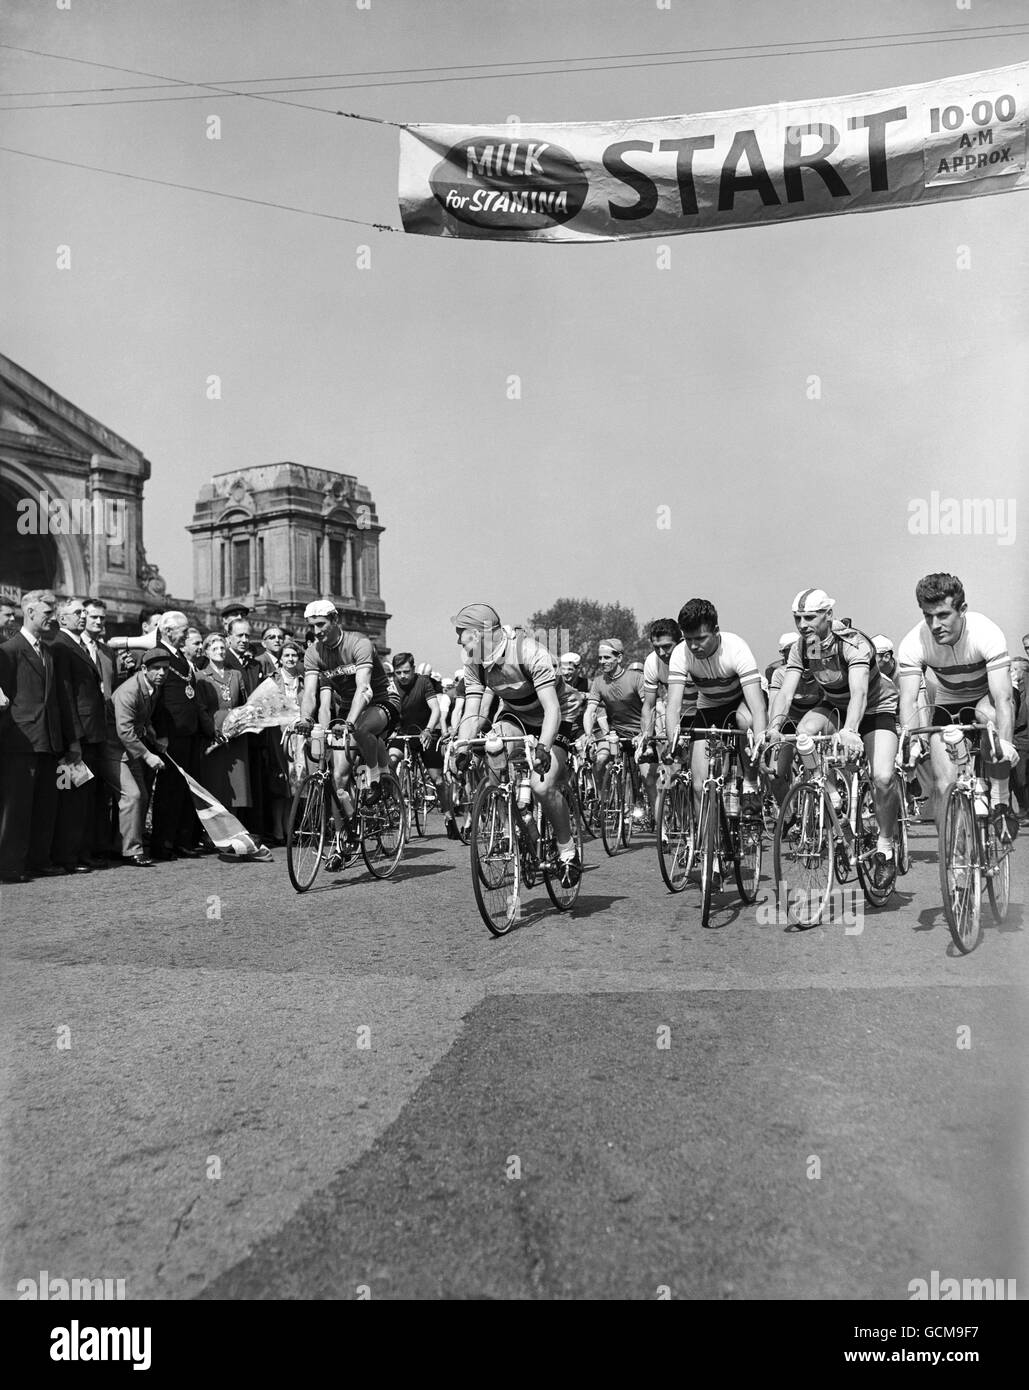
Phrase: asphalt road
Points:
(212, 1086)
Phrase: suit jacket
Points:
(110, 679)
(134, 704)
(178, 713)
(251, 671)
(87, 689)
(267, 664)
(40, 718)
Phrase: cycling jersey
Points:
(830, 662)
(519, 668)
(961, 671)
(807, 694)
(415, 710)
(655, 677)
(719, 678)
(622, 698)
(337, 668)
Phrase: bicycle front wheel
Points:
(588, 799)
(804, 855)
(496, 873)
(563, 895)
(383, 829)
(404, 778)
(612, 807)
(960, 883)
(747, 851)
(676, 834)
(868, 834)
(710, 834)
(305, 832)
(998, 878)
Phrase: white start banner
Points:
(959, 137)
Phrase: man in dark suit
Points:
(36, 730)
(77, 807)
(134, 702)
(239, 657)
(268, 658)
(8, 620)
(108, 782)
(182, 726)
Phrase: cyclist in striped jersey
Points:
(534, 698)
(968, 656)
(728, 683)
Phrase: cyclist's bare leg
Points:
(881, 751)
(370, 724)
(944, 774)
(547, 791)
(985, 713)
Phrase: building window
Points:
(337, 566)
(260, 562)
(371, 569)
(240, 568)
(355, 568)
(222, 586)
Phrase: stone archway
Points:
(30, 556)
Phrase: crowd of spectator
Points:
(131, 711)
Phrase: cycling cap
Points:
(459, 673)
(572, 657)
(477, 615)
(787, 640)
(320, 608)
(881, 643)
(613, 644)
(813, 601)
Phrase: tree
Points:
(578, 624)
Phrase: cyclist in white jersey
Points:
(722, 667)
(968, 656)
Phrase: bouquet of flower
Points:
(267, 708)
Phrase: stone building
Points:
(71, 504)
(278, 535)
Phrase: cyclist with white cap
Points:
(573, 676)
(344, 679)
(968, 657)
(857, 701)
(807, 695)
(533, 693)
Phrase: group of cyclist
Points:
(953, 666)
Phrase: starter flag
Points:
(221, 825)
(959, 137)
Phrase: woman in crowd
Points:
(225, 770)
(290, 679)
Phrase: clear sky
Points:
(641, 388)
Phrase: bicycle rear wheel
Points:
(960, 883)
(561, 895)
(612, 807)
(998, 878)
(676, 834)
(868, 835)
(305, 832)
(804, 855)
(383, 829)
(496, 872)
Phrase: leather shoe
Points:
(51, 871)
(141, 861)
(94, 863)
(78, 869)
(186, 853)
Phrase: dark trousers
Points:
(77, 812)
(175, 825)
(28, 809)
